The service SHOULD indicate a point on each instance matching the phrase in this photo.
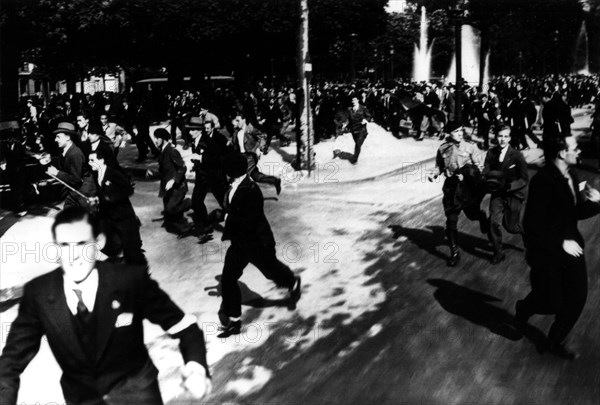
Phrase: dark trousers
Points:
(256, 174)
(453, 207)
(504, 211)
(175, 205)
(483, 130)
(124, 235)
(517, 138)
(274, 131)
(143, 142)
(359, 138)
(559, 287)
(236, 259)
(212, 181)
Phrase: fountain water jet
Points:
(582, 52)
(422, 56)
(471, 43)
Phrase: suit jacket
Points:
(73, 169)
(246, 221)
(551, 212)
(253, 139)
(355, 119)
(171, 166)
(114, 194)
(86, 148)
(514, 168)
(212, 150)
(119, 351)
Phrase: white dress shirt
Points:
(88, 287)
(503, 154)
(234, 186)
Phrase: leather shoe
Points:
(233, 328)
(454, 258)
(563, 351)
(498, 257)
(295, 291)
(484, 222)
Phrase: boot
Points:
(454, 253)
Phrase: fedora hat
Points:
(495, 180)
(65, 128)
(195, 122)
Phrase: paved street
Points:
(381, 319)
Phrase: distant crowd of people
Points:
(76, 140)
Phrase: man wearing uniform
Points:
(557, 200)
(506, 168)
(458, 161)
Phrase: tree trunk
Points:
(9, 73)
(305, 135)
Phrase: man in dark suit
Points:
(173, 185)
(71, 167)
(487, 115)
(252, 241)
(249, 141)
(506, 170)
(94, 144)
(557, 200)
(208, 147)
(117, 217)
(273, 121)
(91, 314)
(358, 116)
(143, 141)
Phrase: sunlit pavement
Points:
(381, 319)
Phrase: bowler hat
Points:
(195, 122)
(235, 165)
(65, 128)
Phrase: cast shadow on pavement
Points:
(249, 297)
(476, 308)
(342, 155)
(433, 236)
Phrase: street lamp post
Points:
(458, 13)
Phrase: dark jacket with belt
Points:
(246, 221)
(119, 353)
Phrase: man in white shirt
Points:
(91, 314)
(505, 169)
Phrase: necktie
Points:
(226, 203)
(83, 313)
(571, 187)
